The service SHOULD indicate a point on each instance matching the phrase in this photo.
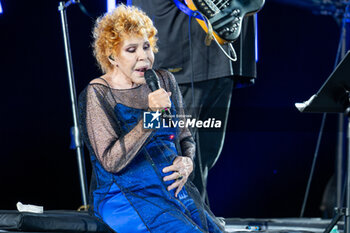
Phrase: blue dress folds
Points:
(135, 198)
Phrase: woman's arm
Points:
(114, 151)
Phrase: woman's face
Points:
(135, 57)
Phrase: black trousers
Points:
(207, 99)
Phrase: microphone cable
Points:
(195, 131)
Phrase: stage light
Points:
(0, 8)
(110, 5)
(256, 38)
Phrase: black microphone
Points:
(152, 81)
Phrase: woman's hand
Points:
(181, 168)
(159, 100)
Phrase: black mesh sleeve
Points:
(113, 150)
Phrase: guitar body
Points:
(225, 16)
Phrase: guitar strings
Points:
(223, 4)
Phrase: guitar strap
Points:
(182, 7)
(197, 15)
(209, 36)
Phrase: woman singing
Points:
(140, 176)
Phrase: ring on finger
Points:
(180, 176)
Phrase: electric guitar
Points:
(225, 16)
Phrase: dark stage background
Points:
(269, 146)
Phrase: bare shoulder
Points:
(100, 80)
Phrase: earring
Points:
(110, 57)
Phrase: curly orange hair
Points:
(111, 29)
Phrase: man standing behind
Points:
(206, 77)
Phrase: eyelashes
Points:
(133, 49)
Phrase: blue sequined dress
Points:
(128, 191)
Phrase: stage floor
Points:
(72, 221)
(280, 225)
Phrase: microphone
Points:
(152, 81)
